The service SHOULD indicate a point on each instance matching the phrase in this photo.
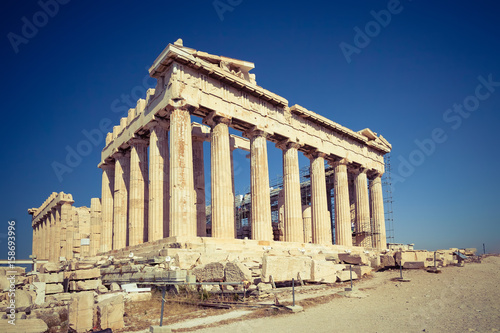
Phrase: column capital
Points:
(287, 144)
(106, 165)
(313, 154)
(138, 141)
(373, 174)
(120, 153)
(357, 169)
(213, 119)
(338, 161)
(157, 121)
(254, 131)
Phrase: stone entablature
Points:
(49, 204)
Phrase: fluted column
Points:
(182, 220)
(65, 220)
(321, 226)
(294, 231)
(107, 195)
(222, 198)
(159, 169)
(34, 246)
(46, 240)
(377, 206)
(70, 226)
(57, 232)
(343, 233)
(363, 228)
(138, 197)
(260, 217)
(95, 226)
(199, 185)
(52, 236)
(120, 209)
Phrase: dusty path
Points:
(460, 299)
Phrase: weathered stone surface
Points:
(40, 292)
(4, 283)
(52, 288)
(50, 267)
(325, 271)
(110, 312)
(236, 272)
(217, 256)
(343, 276)
(61, 297)
(263, 287)
(362, 270)
(284, 268)
(102, 289)
(354, 259)
(81, 311)
(18, 270)
(24, 300)
(84, 285)
(49, 278)
(138, 297)
(387, 260)
(414, 264)
(404, 256)
(115, 287)
(86, 274)
(25, 325)
(101, 298)
(210, 272)
(186, 260)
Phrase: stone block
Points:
(61, 297)
(325, 271)
(110, 312)
(40, 292)
(343, 276)
(25, 325)
(213, 257)
(186, 260)
(211, 272)
(49, 278)
(4, 283)
(387, 260)
(84, 285)
(414, 264)
(81, 311)
(284, 268)
(50, 267)
(264, 287)
(103, 297)
(115, 287)
(86, 274)
(24, 300)
(404, 256)
(138, 297)
(237, 272)
(10, 270)
(53, 288)
(362, 270)
(354, 258)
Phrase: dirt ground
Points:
(459, 299)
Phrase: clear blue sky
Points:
(400, 77)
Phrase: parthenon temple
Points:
(153, 177)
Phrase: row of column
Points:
(50, 236)
(171, 201)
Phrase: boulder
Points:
(212, 272)
(343, 276)
(23, 299)
(236, 272)
(284, 268)
(110, 312)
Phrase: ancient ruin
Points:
(165, 199)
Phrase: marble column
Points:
(57, 232)
(46, 240)
(291, 187)
(199, 185)
(120, 202)
(70, 226)
(260, 218)
(159, 169)
(363, 228)
(52, 236)
(95, 226)
(36, 242)
(182, 220)
(321, 226)
(222, 198)
(66, 208)
(138, 196)
(377, 207)
(343, 233)
(107, 195)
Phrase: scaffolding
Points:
(388, 201)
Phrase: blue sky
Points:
(401, 78)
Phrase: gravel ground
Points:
(460, 299)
